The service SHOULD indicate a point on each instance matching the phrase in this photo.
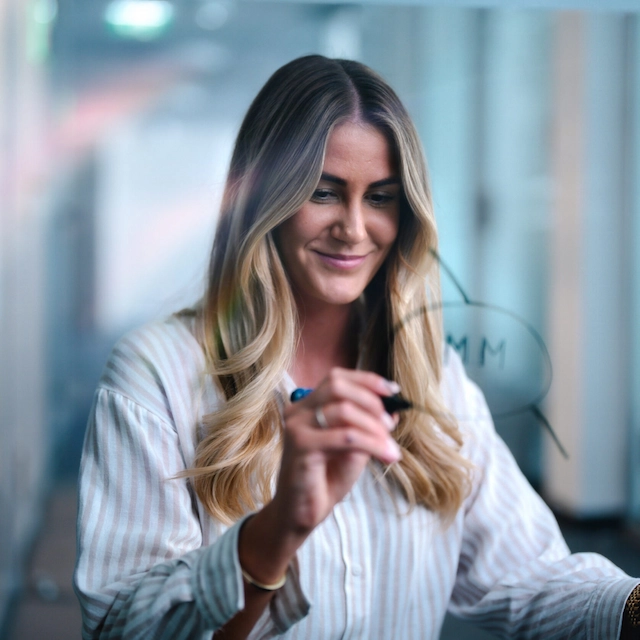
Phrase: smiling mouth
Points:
(340, 260)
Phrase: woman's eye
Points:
(323, 195)
(381, 199)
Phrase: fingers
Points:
(344, 381)
(353, 440)
(344, 414)
(362, 388)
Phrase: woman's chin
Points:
(333, 298)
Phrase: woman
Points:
(209, 502)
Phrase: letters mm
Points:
(486, 350)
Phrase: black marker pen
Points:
(391, 403)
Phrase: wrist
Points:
(264, 550)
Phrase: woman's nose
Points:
(350, 226)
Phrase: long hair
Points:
(249, 323)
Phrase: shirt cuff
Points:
(289, 605)
(217, 581)
(218, 588)
(607, 607)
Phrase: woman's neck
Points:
(329, 338)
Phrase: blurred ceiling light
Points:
(139, 19)
(212, 15)
(45, 11)
(42, 16)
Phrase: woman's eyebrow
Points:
(378, 183)
(327, 177)
(385, 182)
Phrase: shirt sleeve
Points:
(516, 576)
(142, 571)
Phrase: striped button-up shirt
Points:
(152, 563)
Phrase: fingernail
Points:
(394, 387)
(394, 450)
(388, 421)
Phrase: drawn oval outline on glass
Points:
(492, 346)
(478, 347)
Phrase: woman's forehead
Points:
(359, 148)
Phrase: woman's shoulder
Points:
(465, 400)
(156, 360)
(458, 390)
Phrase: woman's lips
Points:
(341, 261)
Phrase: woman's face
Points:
(338, 240)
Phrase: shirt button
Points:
(356, 570)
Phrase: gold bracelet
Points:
(632, 607)
(260, 585)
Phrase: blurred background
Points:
(117, 119)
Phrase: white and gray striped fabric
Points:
(153, 564)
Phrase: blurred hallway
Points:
(48, 608)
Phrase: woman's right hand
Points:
(319, 465)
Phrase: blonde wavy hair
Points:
(248, 320)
